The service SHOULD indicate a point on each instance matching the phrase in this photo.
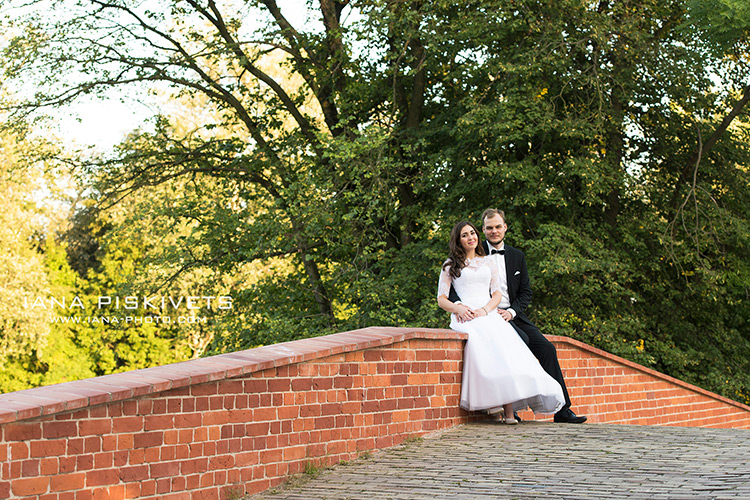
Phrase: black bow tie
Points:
(501, 252)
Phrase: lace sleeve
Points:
(444, 285)
(494, 276)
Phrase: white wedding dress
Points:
(498, 366)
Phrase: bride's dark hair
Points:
(457, 257)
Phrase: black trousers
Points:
(543, 350)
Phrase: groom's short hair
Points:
(491, 212)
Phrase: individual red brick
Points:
(178, 484)
(109, 442)
(103, 460)
(133, 490)
(124, 441)
(148, 488)
(67, 482)
(230, 386)
(75, 446)
(256, 386)
(159, 406)
(129, 407)
(92, 444)
(322, 384)
(29, 486)
(48, 448)
(201, 404)
(144, 407)
(47, 467)
(95, 427)
(66, 464)
(204, 389)
(174, 405)
(294, 453)
(151, 455)
(148, 439)
(288, 412)
(264, 414)
(200, 434)
(134, 473)
(302, 384)
(167, 469)
(270, 456)
(158, 422)
(85, 495)
(102, 477)
(30, 468)
(279, 385)
(188, 420)
(192, 483)
(216, 402)
(182, 451)
(84, 462)
(22, 431)
(372, 355)
(127, 424)
(227, 431)
(220, 462)
(185, 436)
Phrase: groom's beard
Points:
(495, 243)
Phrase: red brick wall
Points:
(612, 390)
(242, 422)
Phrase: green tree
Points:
(33, 269)
(623, 167)
(333, 150)
(23, 328)
(332, 157)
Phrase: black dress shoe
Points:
(568, 417)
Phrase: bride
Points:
(499, 369)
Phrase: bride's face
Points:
(469, 238)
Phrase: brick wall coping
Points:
(48, 400)
(617, 359)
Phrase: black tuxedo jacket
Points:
(519, 286)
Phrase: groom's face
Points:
(494, 229)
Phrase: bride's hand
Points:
(465, 314)
(480, 312)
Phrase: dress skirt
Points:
(499, 369)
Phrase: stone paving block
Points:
(533, 460)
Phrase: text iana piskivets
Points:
(132, 302)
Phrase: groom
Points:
(516, 290)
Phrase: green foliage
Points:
(22, 328)
(313, 173)
(725, 22)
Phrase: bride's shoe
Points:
(495, 412)
(509, 421)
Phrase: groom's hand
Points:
(507, 316)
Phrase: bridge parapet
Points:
(242, 422)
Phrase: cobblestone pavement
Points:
(542, 461)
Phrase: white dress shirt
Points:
(500, 261)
